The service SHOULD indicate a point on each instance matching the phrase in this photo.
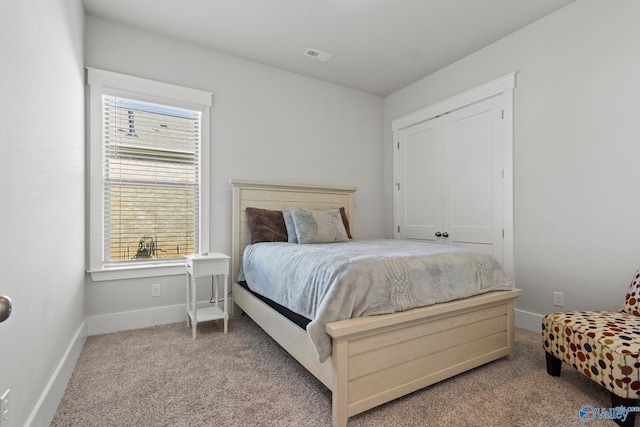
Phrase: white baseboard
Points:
(138, 319)
(47, 404)
(527, 320)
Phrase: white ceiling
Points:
(378, 46)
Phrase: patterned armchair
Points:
(603, 345)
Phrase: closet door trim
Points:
(502, 85)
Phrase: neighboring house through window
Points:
(149, 175)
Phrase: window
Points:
(150, 180)
(148, 175)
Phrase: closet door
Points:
(419, 181)
(473, 183)
(453, 171)
(449, 178)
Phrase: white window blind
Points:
(151, 158)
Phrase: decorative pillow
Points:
(266, 225)
(291, 228)
(318, 226)
(632, 300)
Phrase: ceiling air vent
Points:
(320, 56)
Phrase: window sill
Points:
(138, 271)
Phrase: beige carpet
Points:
(160, 377)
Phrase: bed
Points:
(373, 359)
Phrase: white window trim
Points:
(106, 82)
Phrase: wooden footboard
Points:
(377, 359)
(380, 358)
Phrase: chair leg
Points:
(627, 403)
(553, 365)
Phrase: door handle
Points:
(445, 234)
(438, 234)
(5, 308)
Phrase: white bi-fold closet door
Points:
(451, 174)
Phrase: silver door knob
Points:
(5, 308)
(445, 234)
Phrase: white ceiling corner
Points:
(377, 46)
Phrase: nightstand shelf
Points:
(217, 266)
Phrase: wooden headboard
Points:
(277, 196)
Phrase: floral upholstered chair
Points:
(603, 345)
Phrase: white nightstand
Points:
(217, 266)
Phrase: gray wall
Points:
(42, 248)
(267, 124)
(577, 132)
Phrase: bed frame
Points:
(374, 359)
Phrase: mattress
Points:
(337, 281)
(301, 321)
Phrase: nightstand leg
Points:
(188, 283)
(194, 320)
(225, 297)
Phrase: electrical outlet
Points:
(558, 299)
(155, 290)
(4, 409)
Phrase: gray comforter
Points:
(337, 281)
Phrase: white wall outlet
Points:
(155, 290)
(4, 409)
(558, 299)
